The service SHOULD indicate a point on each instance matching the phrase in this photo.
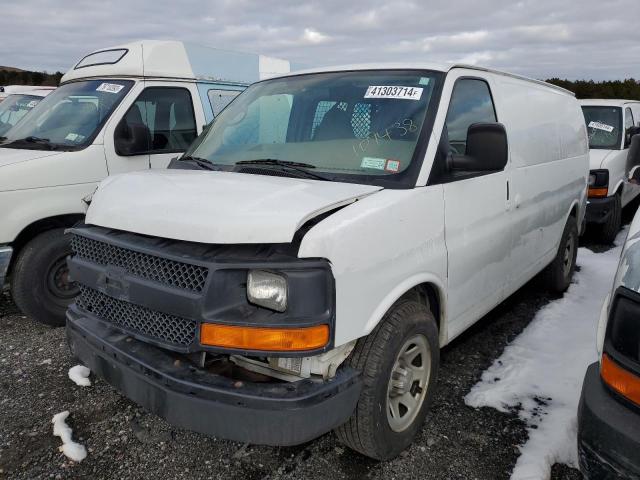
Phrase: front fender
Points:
(380, 247)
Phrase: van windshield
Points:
(360, 127)
(603, 126)
(13, 108)
(70, 117)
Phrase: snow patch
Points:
(541, 372)
(80, 375)
(71, 449)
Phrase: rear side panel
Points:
(549, 168)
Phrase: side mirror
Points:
(630, 135)
(633, 160)
(134, 139)
(487, 149)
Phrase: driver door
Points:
(477, 219)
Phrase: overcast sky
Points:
(539, 38)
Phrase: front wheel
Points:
(399, 363)
(40, 283)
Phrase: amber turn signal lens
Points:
(263, 338)
(625, 383)
(595, 192)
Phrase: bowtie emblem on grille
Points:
(112, 282)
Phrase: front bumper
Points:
(608, 432)
(599, 209)
(5, 260)
(257, 413)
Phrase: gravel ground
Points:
(124, 441)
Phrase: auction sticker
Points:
(393, 91)
(373, 162)
(601, 126)
(109, 87)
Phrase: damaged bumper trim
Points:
(258, 413)
(608, 432)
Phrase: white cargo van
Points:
(131, 107)
(16, 105)
(610, 124)
(339, 227)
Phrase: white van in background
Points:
(16, 105)
(338, 228)
(131, 107)
(610, 125)
(17, 89)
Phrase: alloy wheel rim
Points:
(407, 386)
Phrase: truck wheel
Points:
(399, 364)
(559, 272)
(40, 283)
(609, 230)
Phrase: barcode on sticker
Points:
(601, 126)
(393, 91)
(109, 87)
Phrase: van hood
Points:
(597, 156)
(216, 207)
(9, 156)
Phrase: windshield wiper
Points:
(299, 167)
(201, 162)
(45, 142)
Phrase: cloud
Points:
(313, 36)
(538, 38)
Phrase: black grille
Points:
(162, 270)
(135, 318)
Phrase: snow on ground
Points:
(540, 373)
(71, 449)
(80, 375)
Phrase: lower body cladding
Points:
(269, 413)
(608, 432)
(5, 259)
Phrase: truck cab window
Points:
(219, 99)
(629, 124)
(471, 103)
(167, 118)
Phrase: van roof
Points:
(607, 102)
(178, 60)
(438, 67)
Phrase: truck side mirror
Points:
(132, 139)
(633, 160)
(486, 151)
(630, 134)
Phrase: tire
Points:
(608, 231)
(39, 282)
(558, 273)
(372, 430)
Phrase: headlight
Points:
(592, 179)
(267, 290)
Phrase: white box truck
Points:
(130, 107)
